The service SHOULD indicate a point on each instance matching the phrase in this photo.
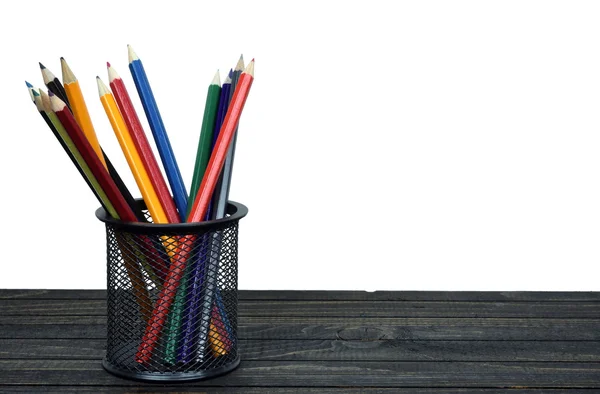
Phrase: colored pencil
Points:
(196, 271)
(58, 90)
(221, 194)
(206, 133)
(149, 256)
(159, 132)
(190, 287)
(176, 270)
(64, 139)
(137, 168)
(217, 159)
(79, 108)
(107, 184)
(142, 145)
(54, 85)
(42, 102)
(131, 155)
(31, 89)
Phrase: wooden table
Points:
(330, 342)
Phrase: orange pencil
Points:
(133, 158)
(80, 111)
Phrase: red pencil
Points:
(114, 195)
(177, 268)
(219, 153)
(87, 152)
(142, 145)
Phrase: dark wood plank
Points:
(333, 309)
(158, 388)
(338, 350)
(325, 295)
(94, 327)
(330, 374)
(42, 294)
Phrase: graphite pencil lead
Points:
(131, 53)
(67, 73)
(240, 64)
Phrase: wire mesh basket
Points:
(172, 297)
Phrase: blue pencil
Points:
(159, 132)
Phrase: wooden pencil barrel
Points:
(193, 266)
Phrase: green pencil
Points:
(202, 157)
(206, 134)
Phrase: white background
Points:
(385, 145)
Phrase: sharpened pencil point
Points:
(112, 73)
(67, 74)
(250, 68)
(56, 103)
(28, 84)
(34, 92)
(108, 64)
(102, 89)
(240, 64)
(131, 53)
(217, 79)
(42, 66)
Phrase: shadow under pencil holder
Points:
(172, 297)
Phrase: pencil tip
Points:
(42, 66)
(250, 68)
(217, 79)
(28, 84)
(50, 93)
(132, 55)
(240, 64)
(108, 64)
(62, 59)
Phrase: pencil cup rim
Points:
(235, 210)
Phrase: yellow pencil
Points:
(79, 108)
(131, 154)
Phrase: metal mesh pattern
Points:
(197, 336)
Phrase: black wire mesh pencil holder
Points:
(192, 265)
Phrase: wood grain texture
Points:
(322, 295)
(331, 374)
(337, 350)
(265, 328)
(330, 342)
(338, 309)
